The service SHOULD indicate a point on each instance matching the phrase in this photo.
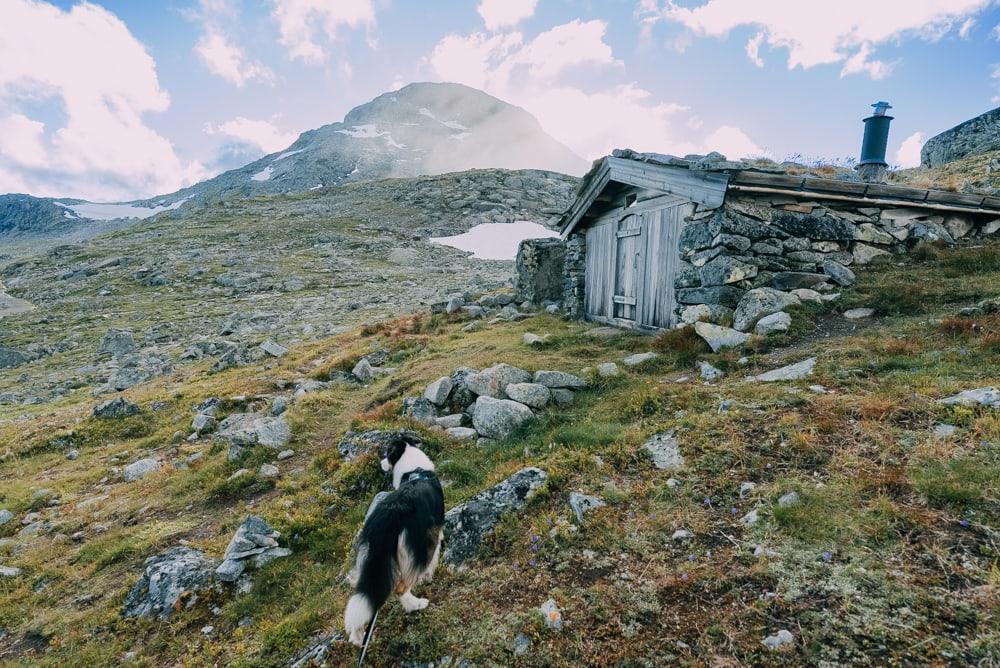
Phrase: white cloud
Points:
(995, 33)
(505, 13)
(753, 49)
(229, 61)
(818, 33)
(104, 81)
(966, 28)
(536, 74)
(303, 24)
(908, 153)
(261, 134)
(996, 76)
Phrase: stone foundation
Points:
(540, 270)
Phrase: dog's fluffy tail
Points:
(375, 570)
(357, 615)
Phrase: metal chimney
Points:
(872, 167)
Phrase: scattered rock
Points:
(664, 448)
(268, 471)
(355, 443)
(562, 397)
(774, 323)
(9, 572)
(779, 639)
(945, 430)
(419, 409)
(203, 424)
(363, 371)
(5, 516)
(167, 583)
(115, 409)
(750, 518)
(859, 313)
(316, 653)
(607, 369)
(681, 534)
(709, 372)
(746, 489)
(254, 542)
(582, 503)
(713, 313)
(499, 418)
(552, 615)
(462, 433)
(285, 454)
(639, 358)
(788, 500)
(535, 340)
(718, 337)
(559, 379)
(983, 396)
(140, 469)
(118, 342)
(467, 524)
(790, 372)
(273, 349)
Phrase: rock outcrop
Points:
(169, 581)
(974, 136)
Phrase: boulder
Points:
(462, 433)
(718, 337)
(166, 583)
(243, 430)
(467, 524)
(115, 409)
(607, 369)
(531, 339)
(419, 409)
(553, 379)
(10, 358)
(499, 418)
(203, 424)
(859, 313)
(453, 420)
(5, 516)
(818, 227)
(118, 342)
(140, 469)
(758, 303)
(492, 381)
(774, 323)
(439, 391)
(791, 372)
(363, 371)
(709, 372)
(534, 395)
(562, 397)
(664, 449)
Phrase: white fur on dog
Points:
(356, 617)
(413, 458)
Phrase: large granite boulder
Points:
(974, 136)
(499, 418)
(245, 430)
(492, 381)
(466, 525)
(115, 409)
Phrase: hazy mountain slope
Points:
(421, 129)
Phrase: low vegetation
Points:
(889, 556)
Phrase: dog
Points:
(400, 541)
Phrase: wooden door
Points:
(662, 228)
(629, 267)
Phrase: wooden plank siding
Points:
(599, 283)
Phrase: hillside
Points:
(420, 129)
(975, 136)
(885, 553)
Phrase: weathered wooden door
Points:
(661, 234)
(629, 266)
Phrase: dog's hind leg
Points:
(428, 574)
(411, 603)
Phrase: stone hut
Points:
(650, 235)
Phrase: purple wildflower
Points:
(532, 563)
(827, 556)
(964, 523)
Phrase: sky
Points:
(116, 100)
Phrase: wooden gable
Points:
(700, 186)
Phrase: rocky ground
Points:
(221, 281)
(822, 495)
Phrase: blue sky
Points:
(130, 99)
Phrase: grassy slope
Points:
(891, 557)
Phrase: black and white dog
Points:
(400, 541)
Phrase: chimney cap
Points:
(881, 107)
